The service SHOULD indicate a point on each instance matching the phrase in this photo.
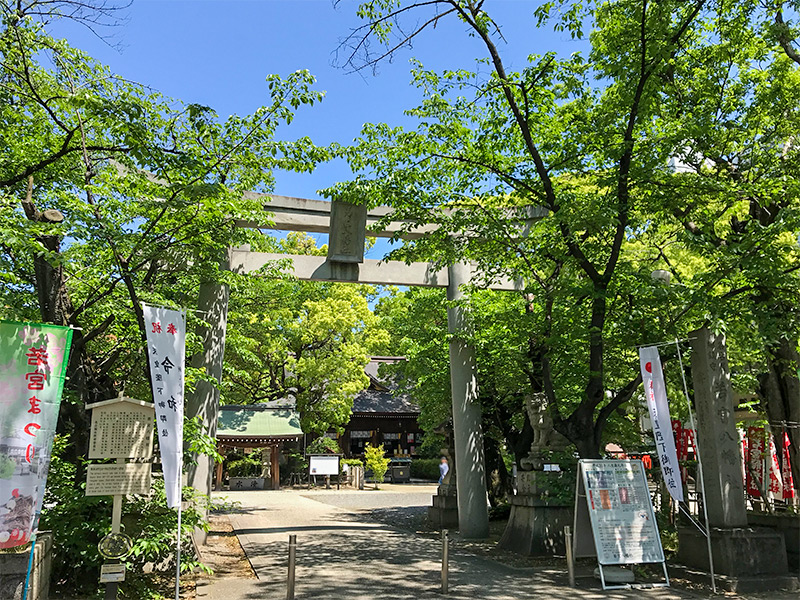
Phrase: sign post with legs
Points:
(613, 501)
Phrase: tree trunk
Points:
(780, 395)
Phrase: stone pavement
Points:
(342, 556)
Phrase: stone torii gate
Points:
(347, 226)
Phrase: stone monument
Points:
(538, 514)
(444, 512)
(751, 558)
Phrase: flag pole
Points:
(30, 567)
(699, 469)
(178, 566)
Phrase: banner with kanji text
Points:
(166, 350)
(655, 391)
(33, 366)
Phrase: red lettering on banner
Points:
(36, 381)
(37, 357)
(34, 409)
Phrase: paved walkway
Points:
(342, 556)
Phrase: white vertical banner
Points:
(166, 351)
(656, 394)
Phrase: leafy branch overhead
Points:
(649, 149)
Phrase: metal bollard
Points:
(445, 559)
(290, 574)
(570, 559)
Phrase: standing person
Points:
(443, 469)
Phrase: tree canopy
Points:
(666, 145)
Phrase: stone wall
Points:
(14, 567)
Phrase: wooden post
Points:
(218, 485)
(275, 469)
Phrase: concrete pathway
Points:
(342, 556)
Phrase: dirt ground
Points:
(222, 554)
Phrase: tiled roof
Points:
(378, 401)
(258, 421)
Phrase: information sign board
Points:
(118, 479)
(112, 573)
(319, 464)
(620, 512)
(121, 428)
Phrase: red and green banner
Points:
(33, 365)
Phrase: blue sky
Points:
(219, 52)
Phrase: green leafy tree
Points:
(307, 341)
(137, 202)
(376, 462)
(112, 195)
(591, 138)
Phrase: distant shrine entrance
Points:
(347, 226)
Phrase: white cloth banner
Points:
(656, 394)
(166, 350)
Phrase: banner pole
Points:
(30, 567)
(699, 470)
(178, 566)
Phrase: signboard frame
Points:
(112, 573)
(126, 479)
(326, 460)
(121, 427)
(586, 517)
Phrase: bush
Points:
(78, 522)
(501, 512)
(246, 466)
(323, 445)
(425, 468)
(376, 462)
(350, 462)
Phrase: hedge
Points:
(425, 468)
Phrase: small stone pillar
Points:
(752, 559)
(443, 514)
(716, 431)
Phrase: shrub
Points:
(246, 466)
(500, 512)
(350, 462)
(323, 445)
(376, 462)
(425, 468)
(78, 522)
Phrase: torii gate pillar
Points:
(212, 306)
(473, 512)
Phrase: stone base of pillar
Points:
(749, 558)
(444, 512)
(536, 527)
(537, 520)
(738, 585)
